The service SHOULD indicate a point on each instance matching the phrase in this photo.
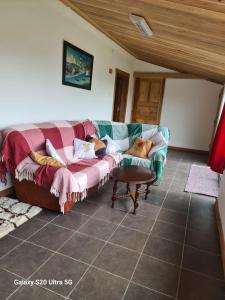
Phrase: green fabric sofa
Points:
(125, 134)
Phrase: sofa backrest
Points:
(120, 131)
(19, 141)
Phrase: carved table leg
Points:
(128, 188)
(147, 191)
(136, 198)
(114, 193)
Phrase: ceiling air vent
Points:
(141, 25)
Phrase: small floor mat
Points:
(13, 213)
(202, 180)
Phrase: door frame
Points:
(127, 76)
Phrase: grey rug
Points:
(202, 180)
(13, 213)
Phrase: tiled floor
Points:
(169, 250)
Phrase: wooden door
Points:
(120, 95)
(148, 98)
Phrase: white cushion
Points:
(84, 149)
(159, 141)
(123, 144)
(51, 151)
(146, 135)
(112, 146)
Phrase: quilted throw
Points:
(69, 183)
(129, 132)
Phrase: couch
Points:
(125, 135)
(59, 188)
(47, 186)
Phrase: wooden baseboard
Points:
(6, 192)
(188, 150)
(221, 234)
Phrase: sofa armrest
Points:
(158, 160)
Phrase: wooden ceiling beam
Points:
(171, 75)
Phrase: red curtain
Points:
(217, 154)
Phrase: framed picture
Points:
(77, 67)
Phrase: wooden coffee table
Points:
(132, 175)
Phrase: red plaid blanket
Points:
(78, 177)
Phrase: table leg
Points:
(147, 191)
(114, 193)
(136, 198)
(128, 188)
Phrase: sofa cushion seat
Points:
(130, 160)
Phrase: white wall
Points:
(189, 108)
(31, 39)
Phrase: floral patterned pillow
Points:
(84, 149)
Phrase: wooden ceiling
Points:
(189, 35)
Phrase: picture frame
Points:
(77, 67)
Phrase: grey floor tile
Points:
(157, 192)
(201, 207)
(195, 286)
(7, 243)
(35, 293)
(61, 269)
(85, 207)
(47, 215)
(136, 292)
(109, 214)
(182, 174)
(98, 228)
(71, 220)
(169, 231)
(203, 240)
(138, 222)
(179, 183)
(157, 279)
(125, 204)
(200, 222)
(148, 210)
(163, 249)
(177, 201)
(203, 262)
(117, 260)
(203, 202)
(99, 285)
(51, 236)
(28, 228)
(129, 238)
(155, 200)
(7, 285)
(173, 217)
(157, 275)
(82, 247)
(25, 259)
